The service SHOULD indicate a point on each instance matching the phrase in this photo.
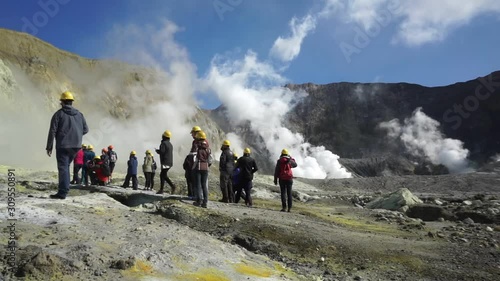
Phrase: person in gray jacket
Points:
(67, 126)
(147, 168)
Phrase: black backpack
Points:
(106, 170)
(154, 165)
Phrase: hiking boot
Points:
(196, 203)
(282, 210)
(57, 196)
(160, 191)
(289, 210)
(204, 205)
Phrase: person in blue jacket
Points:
(131, 171)
(67, 127)
(236, 180)
(88, 157)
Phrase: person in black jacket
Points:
(67, 126)
(247, 167)
(188, 167)
(166, 160)
(226, 167)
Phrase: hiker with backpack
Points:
(147, 168)
(283, 173)
(226, 167)
(190, 174)
(248, 167)
(202, 161)
(113, 157)
(131, 171)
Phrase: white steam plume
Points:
(24, 117)
(496, 158)
(171, 86)
(100, 89)
(237, 144)
(251, 91)
(421, 136)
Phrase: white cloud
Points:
(365, 12)
(417, 22)
(287, 49)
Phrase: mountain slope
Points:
(125, 105)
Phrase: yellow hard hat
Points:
(148, 151)
(67, 96)
(97, 157)
(90, 147)
(195, 129)
(247, 151)
(284, 151)
(201, 135)
(167, 134)
(84, 146)
(133, 152)
(226, 143)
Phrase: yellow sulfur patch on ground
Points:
(209, 274)
(140, 270)
(179, 263)
(99, 211)
(253, 270)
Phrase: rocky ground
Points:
(331, 234)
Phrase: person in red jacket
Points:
(283, 173)
(78, 165)
(98, 168)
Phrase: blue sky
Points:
(425, 42)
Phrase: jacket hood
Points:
(203, 144)
(284, 159)
(68, 109)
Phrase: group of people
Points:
(68, 126)
(96, 169)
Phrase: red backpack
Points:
(285, 169)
